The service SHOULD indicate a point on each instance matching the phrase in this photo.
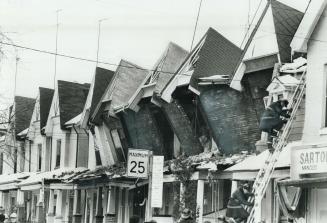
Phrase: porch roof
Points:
(10, 181)
(61, 174)
(255, 162)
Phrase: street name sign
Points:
(138, 163)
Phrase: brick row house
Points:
(70, 154)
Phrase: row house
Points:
(308, 158)
(12, 155)
(70, 157)
(274, 77)
(56, 149)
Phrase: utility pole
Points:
(99, 33)
(55, 64)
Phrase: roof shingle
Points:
(72, 97)
(46, 95)
(23, 112)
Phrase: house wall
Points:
(58, 133)
(181, 125)
(314, 124)
(142, 130)
(232, 118)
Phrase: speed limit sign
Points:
(137, 163)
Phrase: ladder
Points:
(265, 173)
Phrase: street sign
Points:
(157, 181)
(137, 163)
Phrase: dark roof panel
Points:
(101, 82)
(46, 95)
(72, 97)
(217, 56)
(23, 112)
(286, 21)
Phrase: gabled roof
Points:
(46, 95)
(162, 72)
(101, 80)
(213, 55)
(72, 97)
(23, 113)
(125, 82)
(286, 21)
(307, 25)
(217, 56)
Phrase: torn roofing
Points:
(46, 95)
(72, 97)
(23, 112)
(163, 70)
(101, 81)
(217, 56)
(125, 82)
(172, 59)
(286, 21)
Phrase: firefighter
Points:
(273, 119)
(235, 207)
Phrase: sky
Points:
(134, 30)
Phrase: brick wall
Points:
(182, 127)
(142, 130)
(232, 118)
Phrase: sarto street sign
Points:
(138, 163)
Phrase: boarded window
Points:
(58, 152)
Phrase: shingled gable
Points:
(72, 97)
(46, 95)
(213, 55)
(125, 82)
(217, 56)
(23, 112)
(286, 21)
(159, 76)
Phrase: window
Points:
(97, 152)
(39, 157)
(15, 160)
(117, 143)
(58, 152)
(1, 163)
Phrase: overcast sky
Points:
(135, 30)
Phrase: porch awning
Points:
(10, 181)
(59, 175)
(305, 182)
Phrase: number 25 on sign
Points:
(137, 164)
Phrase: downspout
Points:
(77, 139)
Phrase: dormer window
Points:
(58, 152)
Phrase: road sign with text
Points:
(138, 163)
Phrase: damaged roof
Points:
(125, 82)
(162, 72)
(102, 79)
(217, 56)
(286, 21)
(72, 97)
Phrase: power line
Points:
(196, 24)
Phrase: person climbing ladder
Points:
(273, 120)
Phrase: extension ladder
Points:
(263, 177)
